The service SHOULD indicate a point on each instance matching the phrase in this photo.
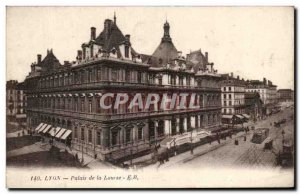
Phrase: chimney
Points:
(39, 59)
(206, 56)
(231, 74)
(93, 33)
(265, 81)
(179, 53)
(79, 54)
(107, 27)
(238, 77)
(127, 38)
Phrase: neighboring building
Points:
(15, 101)
(68, 96)
(267, 92)
(253, 105)
(233, 95)
(285, 95)
(232, 99)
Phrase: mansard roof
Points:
(166, 52)
(111, 36)
(50, 62)
(197, 60)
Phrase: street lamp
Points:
(192, 150)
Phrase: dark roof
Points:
(110, 37)
(50, 62)
(197, 60)
(11, 84)
(285, 90)
(166, 51)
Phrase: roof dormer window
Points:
(127, 51)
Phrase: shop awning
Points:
(66, 134)
(47, 129)
(59, 134)
(239, 116)
(246, 115)
(54, 131)
(227, 116)
(38, 127)
(42, 128)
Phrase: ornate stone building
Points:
(68, 96)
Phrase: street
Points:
(245, 154)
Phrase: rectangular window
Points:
(128, 76)
(90, 136)
(114, 74)
(229, 88)
(82, 77)
(140, 133)
(82, 105)
(98, 138)
(90, 74)
(127, 51)
(82, 134)
(90, 106)
(127, 135)
(75, 133)
(105, 75)
(139, 77)
(76, 104)
(98, 74)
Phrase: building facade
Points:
(253, 105)
(15, 101)
(233, 95)
(69, 95)
(267, 91)
(285, 95)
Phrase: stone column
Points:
(155, 128)
(122, 131)
(193, 121)
(185, 124)
(146, 131)
(167, 127)
(177, 125)
(105, 136)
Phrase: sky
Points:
(252, 42)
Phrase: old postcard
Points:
(150, 97)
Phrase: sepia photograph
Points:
(150, 97)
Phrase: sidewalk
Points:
(88, 161)
(16, 134)
(25, 150)
(198, 151)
